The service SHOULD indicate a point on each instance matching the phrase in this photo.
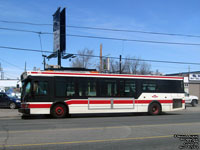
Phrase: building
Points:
(8, 84)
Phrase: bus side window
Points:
(108, 87)
(60, 88)
(40, 87)
(82, 87)
(130, 88)
(149, 87)
(92, 88)
(127, 88)
(70, 88)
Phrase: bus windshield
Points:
(26, 89)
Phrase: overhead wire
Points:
(145, 60)
(11, 64)
(109, 38)
(107, 29)
(106, 38)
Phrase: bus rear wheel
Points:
(59, 111)
(154, 109)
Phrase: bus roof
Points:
(94, 74)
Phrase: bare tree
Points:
(83, 59)
(131, 66)
(114, 66)
(145, 68)
(135, 64)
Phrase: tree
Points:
(83, 59)
(145, 68)
(130, 66)
(135, 64)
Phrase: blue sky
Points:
(171, 16)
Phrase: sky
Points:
(171, 16)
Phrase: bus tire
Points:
(59, 111)
(154, 109)
(194, 103)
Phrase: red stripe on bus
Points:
(72, 102)
(107, 75)
(149, 101)
(116, 101)
(77, 102)
(123, 101)
(86, 102)
(40, 105)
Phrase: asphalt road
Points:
(99, 131)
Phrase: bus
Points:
(61, 93)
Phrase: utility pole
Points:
(101, 58)
(120, 64)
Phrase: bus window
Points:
(82, 87)
(149, 87)
(127, 88)
(40, 87)
(108, 87)
(70, 87)
(27, 89)
(92, 88)
(61, 88)
(171, 86)
(65, 87)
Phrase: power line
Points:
(108, 29)
(24, 49)
(135, 40)
(20, 30)
(11, 64)
(27, 23)
(109, 38)
(135, 31)
(10, 76)
(146, 60)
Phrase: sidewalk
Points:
(8, 113)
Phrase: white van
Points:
(191, 99)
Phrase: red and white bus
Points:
(60, 93)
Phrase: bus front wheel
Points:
(59, 111)
(154, 109)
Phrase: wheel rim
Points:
(12, 106)
(155, 109)
(59, 111)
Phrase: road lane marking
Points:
(92, 141)
(100, 128)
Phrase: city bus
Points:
(62, 93)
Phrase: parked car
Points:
(9, 101)
(191, 99)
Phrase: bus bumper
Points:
(24, 111)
